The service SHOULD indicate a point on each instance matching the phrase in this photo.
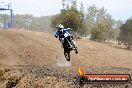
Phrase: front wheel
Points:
(74, 47)
(76, 51)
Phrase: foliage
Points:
(4, 18)
(71, 17)
(98, 32)
(100, 24)
(28, 22)
(125, 36)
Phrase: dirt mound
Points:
(20, 47)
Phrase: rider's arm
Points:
(57, 34)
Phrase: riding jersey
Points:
(63, 34)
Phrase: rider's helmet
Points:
(60, 27)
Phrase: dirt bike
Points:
(69, 45)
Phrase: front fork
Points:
(74, 46)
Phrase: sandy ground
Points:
(37, 60)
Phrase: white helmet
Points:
(61, 26)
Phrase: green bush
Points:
(99, 33)
(125, 36)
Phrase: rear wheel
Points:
(67, 55)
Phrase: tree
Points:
(99, 23)
(98, 32)
(4, 20)
(29, 22)
(70, 16)
(90, 18)
(125, 36)
(82, 12)
(116, 29)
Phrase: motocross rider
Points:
(63, 34)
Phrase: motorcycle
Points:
(69, 45)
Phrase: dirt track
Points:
(37, 58)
